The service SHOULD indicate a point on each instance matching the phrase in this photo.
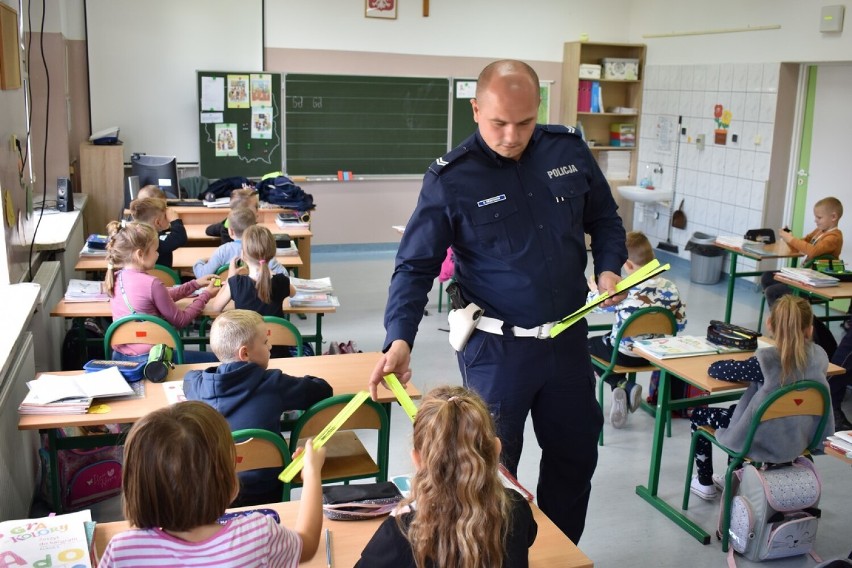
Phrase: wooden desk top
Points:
(102, 309)
(347, 374)
(184, 257)
(694, 370)
(551, 548)
(195, 232)
(836, 453)
(778, 249)
(839, 292)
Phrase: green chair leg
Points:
(440, 296)
(601, 404)
(760, 316)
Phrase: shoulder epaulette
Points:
(438, 165)
(560, 129)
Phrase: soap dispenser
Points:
(647, 181)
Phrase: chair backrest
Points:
(803, 398)
(282, 332)
(143, 328)
(369, 416)
(258, 449)
(165, 275)
(653, 319)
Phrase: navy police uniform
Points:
(517, 232)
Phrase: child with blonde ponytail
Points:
(131, 252)
(793, 358)
(458, 513)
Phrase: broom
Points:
(669, 246)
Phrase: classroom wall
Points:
(12, 121)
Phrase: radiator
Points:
(19, 464)
(48, 332)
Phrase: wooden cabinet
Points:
(102, 178)
(615, 93)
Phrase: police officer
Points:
(514, 201)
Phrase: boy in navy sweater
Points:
(248, 394)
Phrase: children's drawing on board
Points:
(238, 91)
(261, 90)
(226, 140)
(261, 122)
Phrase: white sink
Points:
(644, 195)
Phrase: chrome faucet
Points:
(658, 167)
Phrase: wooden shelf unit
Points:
(621, 93)
(102, 177)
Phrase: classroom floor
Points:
(621, 528)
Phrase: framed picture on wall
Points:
(380, 9)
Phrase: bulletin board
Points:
(239, 123)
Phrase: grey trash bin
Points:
(705, 259)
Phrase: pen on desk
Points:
(328, 547)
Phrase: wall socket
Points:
(699, 141)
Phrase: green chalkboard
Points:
(366, 125)
(239, 128)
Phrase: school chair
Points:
(803, 398)
(653, 319)
(346, 457)
(282, 332)
(143, 328)
(812, 299)
(243, 269)
(165, 275)
(258, 449)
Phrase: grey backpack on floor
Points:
(774, 511)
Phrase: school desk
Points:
(79, 311)
(197, 236)
(551, 549)
(778, 249)
(693, 370)
(184, 257)
(347, 374)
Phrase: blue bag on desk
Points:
(281, 191)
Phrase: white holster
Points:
(462, 323)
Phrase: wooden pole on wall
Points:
(425, 8)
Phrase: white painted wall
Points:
(473, 28)
(798, 40)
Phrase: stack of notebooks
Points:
(615, 164)
(85, 291)
(95, 246)
(841, 441)
(73, 394)
(289, 250)
(809, 277)
(316, 293)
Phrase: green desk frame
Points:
(664, 407)
(733, 275)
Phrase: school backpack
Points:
(280, 190)
(77, 351)
(774, 511)
(85, 476)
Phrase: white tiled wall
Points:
(723, 187)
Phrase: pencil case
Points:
(730, 335)
(130, 370)
(359, 501)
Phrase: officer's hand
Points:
(606, 283)
(397, 361)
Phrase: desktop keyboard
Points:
(186, 203)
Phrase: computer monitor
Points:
(156, 170)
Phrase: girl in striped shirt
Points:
(178, 480)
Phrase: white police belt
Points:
(495, 326)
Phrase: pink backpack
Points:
(85, 476)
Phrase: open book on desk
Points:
(56, 391)
(684, 346)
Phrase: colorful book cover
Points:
(59, 540)
(671, 347)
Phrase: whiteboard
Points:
(142, 62)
